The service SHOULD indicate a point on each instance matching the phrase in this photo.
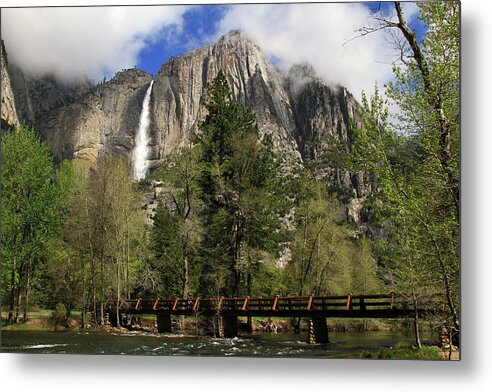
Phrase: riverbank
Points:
(41, 319)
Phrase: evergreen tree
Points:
(239, 189)
(168, 255)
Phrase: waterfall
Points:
(141, 150)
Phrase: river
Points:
(282, 345)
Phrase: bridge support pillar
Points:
(228, 327)
(318, 330)
(164, 323)
(250, 324)
(111, 312)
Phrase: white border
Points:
(110, 373)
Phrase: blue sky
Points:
(200, 26)
(98, 42)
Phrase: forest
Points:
(231, 223)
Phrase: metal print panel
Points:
(267, 180)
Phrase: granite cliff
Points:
(300, 111)
(8, 112)
(103, 120)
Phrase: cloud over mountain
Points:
(71, 42)
(320, 34)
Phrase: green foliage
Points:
(321, 248)
(59, 316)
(29, 213)
(416, 161)
(94, 255)
(404, 350)
(176, 230)
(365, 277)
(114, 226)
(239, 189)
(167, 248)
(270, 281)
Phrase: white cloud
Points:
(77, 41)
(98, 41)
(318, 34)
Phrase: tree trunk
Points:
(304, 245)
(26, 301)
(118, 294)
(101, 299)
(18, 305)
(19, 292)
(84, 304)
(435, 100)
(185, 277)
(10, 319)
(93, 288)
(416, 326)
(127, 271)
(249, 289)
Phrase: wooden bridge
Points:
(315, 308)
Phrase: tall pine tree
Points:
(240, 192)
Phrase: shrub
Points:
(59, 316)
(404, 350)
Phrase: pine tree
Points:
(240, 191)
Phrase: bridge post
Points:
(250, 324)
(318, 330)
(111, 311)
(228, 327)
(163, 323)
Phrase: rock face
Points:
(8, 112)
(180, 88)
(300, 111)
(102, 121)
(37, 95)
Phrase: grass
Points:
(37, 320)
(39, 313)
(25, 327)
(358, 325)
(404, 350)
(33, 314)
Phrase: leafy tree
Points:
(29, 215)
(270, 280)
(321, 249)
(101, 236)
(176, 231)
(416, 159)
(65, 267)
(365, 277)
(125, 221)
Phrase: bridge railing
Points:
(349, 302)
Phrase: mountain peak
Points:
(234, 35)
(236, 38)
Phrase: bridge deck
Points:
(349, 306)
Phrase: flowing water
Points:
(282, 345)
(141, 150)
